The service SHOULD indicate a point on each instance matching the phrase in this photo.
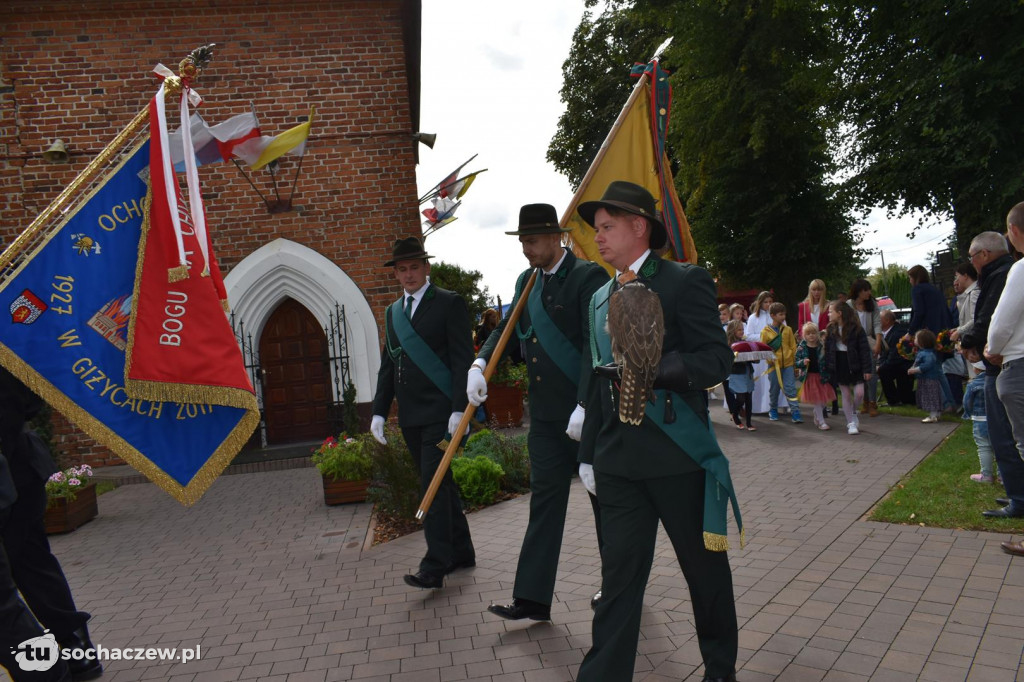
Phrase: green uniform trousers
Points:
(630, 511)
(552, 467)
(445, 527)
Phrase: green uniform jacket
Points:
(442, 321)
(693, 328)
(566, 297)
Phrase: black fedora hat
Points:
(410, 248)
(538, 219)
(631, 198)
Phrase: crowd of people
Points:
(961, 356)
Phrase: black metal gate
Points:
(336, 358)
(251, 358)
(340, 371)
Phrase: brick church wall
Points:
(80, 71)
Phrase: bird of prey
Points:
(636, 325)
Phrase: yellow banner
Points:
(627, 154)
(285, 142)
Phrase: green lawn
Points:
(104, 486)
(940, 494)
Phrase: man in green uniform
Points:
(428, 346)
(667, 468)
(551, 334)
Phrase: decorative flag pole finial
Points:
(189, 69)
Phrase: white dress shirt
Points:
(417, 296)
(1006, 330)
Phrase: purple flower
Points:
(58, 477)
(73, 482)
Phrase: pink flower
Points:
(73, 482)
(57, 477)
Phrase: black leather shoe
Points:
(462, 563)
(594, 600)
(81, 669)
(730, 678)
(1003, 501)
(424, 581)
(1005, 513)
(521, 608)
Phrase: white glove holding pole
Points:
(575, 429)
(377, 429)
(453, 422)
(476, 386)
(587, 476)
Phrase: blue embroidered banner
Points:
(66, 330)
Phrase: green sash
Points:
(688, 432)
(776, 343)
(551, 338)
(422, 355)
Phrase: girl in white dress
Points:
(758, 320)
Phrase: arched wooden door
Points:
(296, 391)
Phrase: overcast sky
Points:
(491, 77)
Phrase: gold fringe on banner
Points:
(185, 494)
(176, 274)
(713, 542)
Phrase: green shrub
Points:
(345, 459)
(349, 411)
(478, 478)
(395, 484)
(509, 452)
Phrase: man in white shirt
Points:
(1006, 343)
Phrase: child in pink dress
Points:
(810, 364)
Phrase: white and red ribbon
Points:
(195, 199)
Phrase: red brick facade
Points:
(79, 71)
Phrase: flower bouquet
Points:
(943, 343)
(512, 375)
(345, 465)
(906, 349)
(68, 483)
(346, 459)
(70, 499)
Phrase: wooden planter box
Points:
(63, 516)
(337, 491)
(504, 405)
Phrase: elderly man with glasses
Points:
(990, 255)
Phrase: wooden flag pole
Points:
(453, 445)
(87, 175)
(90, 172)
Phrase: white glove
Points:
(575, 429)
(587, 476)
(453, 422)
(377, 429)
(476, 387)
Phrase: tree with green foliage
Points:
(748, 135)
(891, 282)
(931, 99)
(465, 283)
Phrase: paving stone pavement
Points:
(273, 585)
